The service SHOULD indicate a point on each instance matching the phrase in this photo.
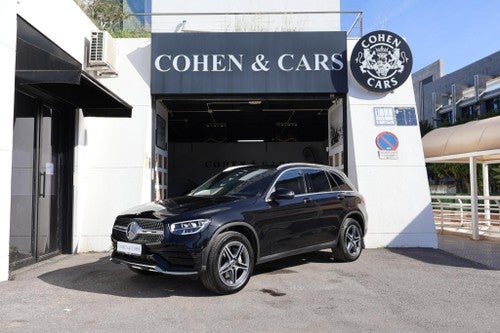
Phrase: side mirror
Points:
(282, 194)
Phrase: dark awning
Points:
(79, 89)
(43, 65)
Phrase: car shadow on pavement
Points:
(438, 257)
(286, 265)
(103, 277)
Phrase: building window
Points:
(426, 80)
(493, 105)
(446, 119)
(467, 112)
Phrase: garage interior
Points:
(207, 134)
(271, 119)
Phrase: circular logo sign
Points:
(381, 61)
(387, 141)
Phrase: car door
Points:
(283, 223)
(330, 203)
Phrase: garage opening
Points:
(202, 135)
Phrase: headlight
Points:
(188, 227)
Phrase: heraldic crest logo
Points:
(381, 61)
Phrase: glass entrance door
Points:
(21, 247)
(48, 232)
(35, 223)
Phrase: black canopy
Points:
(43, 65)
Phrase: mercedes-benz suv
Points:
(242, 217)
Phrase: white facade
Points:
(112, 155)
(112, 160)
(8, 66)
(396, 191)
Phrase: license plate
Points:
(129, 248)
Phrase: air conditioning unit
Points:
(102, 54)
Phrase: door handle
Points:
(341, 196)
(306, 200)
(42, 176)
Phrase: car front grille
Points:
(151, 230)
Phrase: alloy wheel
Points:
(353, 240)
(233, 264)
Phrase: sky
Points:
(458, 32)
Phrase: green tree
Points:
(425, 127)
(456, 171)
(109, 15)
(106, 14)
(495, 178)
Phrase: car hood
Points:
(180, 205)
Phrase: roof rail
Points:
(236, 167)
(286, 165)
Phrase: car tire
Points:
(230, 263)
(350, 243)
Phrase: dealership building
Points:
(92, 125)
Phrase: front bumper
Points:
(162, 258)
(152, 267)
(161, 251)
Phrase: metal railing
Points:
(454, 212)
(139, 24)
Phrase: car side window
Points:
(292, 180)
(338, 183)
(317, 181)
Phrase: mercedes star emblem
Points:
(133, 229)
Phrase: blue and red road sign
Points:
(387, 141)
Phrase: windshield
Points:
(244, 181)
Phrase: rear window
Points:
(338, 183)
(318, 181)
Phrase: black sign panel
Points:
(381, 61)
(260, 62)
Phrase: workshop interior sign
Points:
(253, 62)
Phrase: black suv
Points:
(243, 216)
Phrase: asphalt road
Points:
(403, 290)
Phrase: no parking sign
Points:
(387, 144)
(387, 141)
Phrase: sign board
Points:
(381, 61)
(399, 116)
(251, 62)
(406, 116)
(384, 116)
(388, 154)
(387, 141)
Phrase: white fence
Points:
(455, 212)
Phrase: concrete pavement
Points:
(485, 251)
(390, 290)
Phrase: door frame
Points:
(64, 126)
